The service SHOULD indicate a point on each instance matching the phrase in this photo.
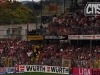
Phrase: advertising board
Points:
(3, 70)
(41, 68)
(86, 71)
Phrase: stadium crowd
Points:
(18, 50)
(79, 56)
(76, 23)
(53, 54)
(48, 54)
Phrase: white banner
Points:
(73, 37)
(10, 69)
(83, 37)
(42, 68)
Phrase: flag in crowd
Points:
(52, 7)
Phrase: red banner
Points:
(52, 7)
(95, 71)
(82, 71)
(85, 71)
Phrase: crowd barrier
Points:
(85, 71)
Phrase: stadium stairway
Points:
(37, 52)
(37, 57)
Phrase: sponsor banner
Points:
(10, 69)
(35, 37)
(95, 71)
(3, 73)
(40, 68)
(83, 37)
(73, 37)
(3, 70)
(97, 36)
(57, 69)
(94, 6)
(7, 70)
(17, 69)
(82, 71)
(87, 37)
(56, 37)
(85, 71)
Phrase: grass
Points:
(33, 74)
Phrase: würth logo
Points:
(17, 68)
(92, 9)
(21, 68)
(48, 69)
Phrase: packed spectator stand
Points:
(48, 54)
(72, 24)
(75, 24)
(22, 52)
